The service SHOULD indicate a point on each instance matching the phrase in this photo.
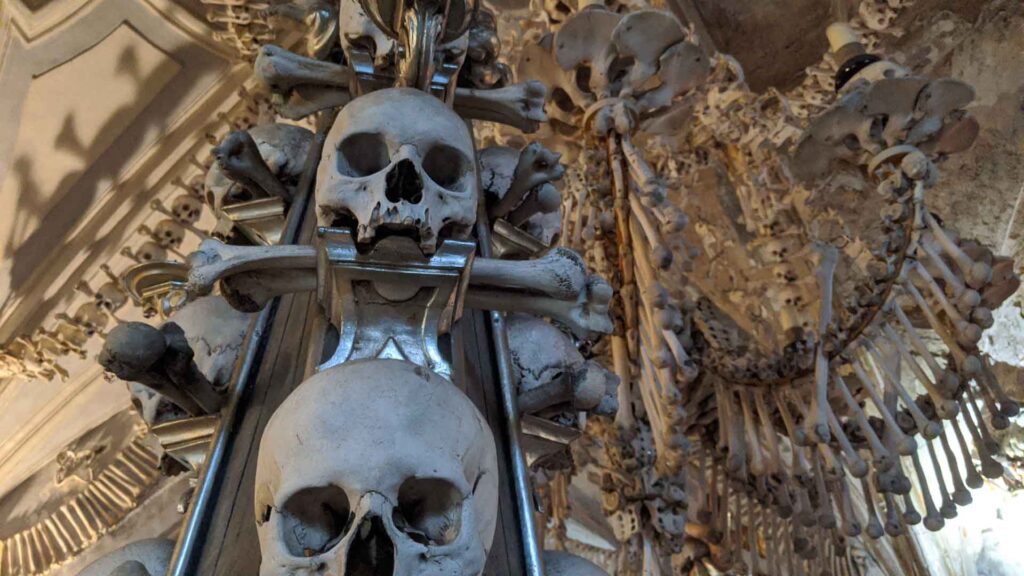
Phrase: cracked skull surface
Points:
(399, 161)
(376, 467)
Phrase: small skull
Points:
(91, 318)
(150, 252)
(169, 234)
(111, 297)
(376, 467)
(186, 209)
(399, 160)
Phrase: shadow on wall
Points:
(78, 192)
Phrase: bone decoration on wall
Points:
(730, 320)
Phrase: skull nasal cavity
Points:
(371, 553)
(404, 183)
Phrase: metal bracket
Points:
(393, 302)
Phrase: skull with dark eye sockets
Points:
(399, 161)
(376, 467)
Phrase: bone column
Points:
(817, 423)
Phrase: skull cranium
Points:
(187, 209)
(111, 296)
(168, 233)
(399, 160)
(376, 466)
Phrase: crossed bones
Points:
(556, 285)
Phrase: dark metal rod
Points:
(188, 548)
(510, 416)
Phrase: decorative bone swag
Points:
(754, 362)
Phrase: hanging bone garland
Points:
(923, 279)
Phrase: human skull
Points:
(376, 467)
(186, 209)
(150, 251)
(359, 33)
(399, 160)
(168, 234)
(283, 147)
(91, 318)
(110, 296)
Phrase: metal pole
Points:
(510, 416)
(185, 559)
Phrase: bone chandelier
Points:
(737, 324)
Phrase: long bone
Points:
(972, 403)
(945, 408)
(971, 476)
(933, 520)
(586, 316)
(309, 85)
(851, 527)
(968, 334)
(928, 428)
(302, 85)
(893, 521)
(825, 515)
(774, 457)
(1007, 407)
(817, 422)
(560, 274)
(519, 105)
(161, 359)
(759, 466)
(734, 428)
(976, 274)
(961, 495)
(544, 200)
(904, 445)
(798, 465)
(910, 514)
(948, 507)
(949, 380)
(989, 467)
(968, 364)
(966, 298)
(856, 465)
(240, 159)
(882, 458)
(996, 418)
(534, 166)
(874, 527)
(282, 70)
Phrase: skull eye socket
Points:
(313, 520)
(429, 511)
(445, 166)
(362, 154)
